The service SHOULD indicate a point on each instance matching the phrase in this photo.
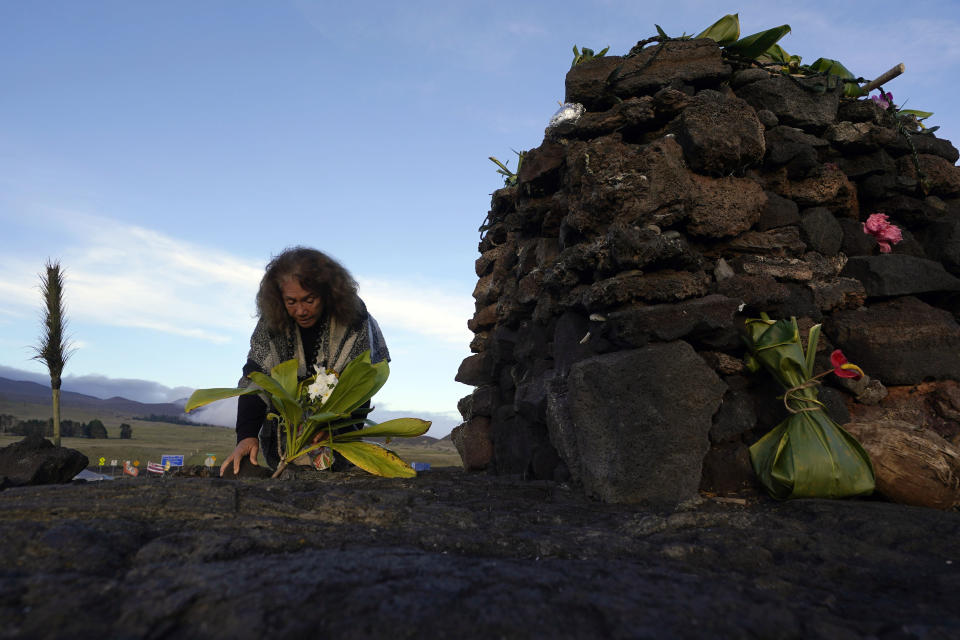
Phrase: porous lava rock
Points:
(638, 449)
(901, 341)
(449, 554)
(35, 460)
(695, 191)
(720, 134)
(899, 275)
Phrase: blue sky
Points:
(164, 150)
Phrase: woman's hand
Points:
(246, 446)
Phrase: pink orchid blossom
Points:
(884, 100)
(883, 231)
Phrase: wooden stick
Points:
(884, 79)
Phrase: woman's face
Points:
(303, 306)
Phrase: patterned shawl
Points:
(338, 344)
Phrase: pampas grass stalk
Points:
(54, 349)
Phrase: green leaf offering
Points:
(835, 70)
(724, 31)
(755, 45)
(808, 455)
(586, 54)
(309, 412)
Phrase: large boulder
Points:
(827, 187)
(724, 206)
(902, 341)
(778, 212)
(899, 275)
(597, 83)
(637, 438)
(665, 285)
(942, 176)
(931, 405)
(473, 443)
(860, 137)
(941, 242)
(720, 134)
(607, 179)
(791, 147)
(913, 465)
(629, 115)
(540, 171)
(821, 231)
(798, 103)
(34, 460)
(638, 325)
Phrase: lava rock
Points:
(34, 460)
(724, 206)
(829, 187)
(942, 176)
(898, 275)
(778, 212)
(472, 440)
(720, 134)
(735, 417)
(903, 341)
(941, 242)
(782, 241)
(858, 167)
(637, 439)
(821, 231)
(598, 82)
(408, 557)
(795, 149)
(795, 102)
(638, 325)
(625, 116)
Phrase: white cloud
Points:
(525, 29)
(125, 275)
(421, 309)
(100, 386)
(222, 413)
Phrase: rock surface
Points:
(34, 460)
(698, 190)
(649, 446)
(460, 555)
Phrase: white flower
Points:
(323, 386)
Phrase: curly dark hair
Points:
(317, 273)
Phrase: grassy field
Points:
(153, 439)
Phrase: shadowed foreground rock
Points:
(460, 555)
(35, 460)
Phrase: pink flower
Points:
(884, 100)
(843, 368)
(883, 231)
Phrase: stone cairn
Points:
(615, 277)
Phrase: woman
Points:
(309, 310)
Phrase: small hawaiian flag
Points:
(129, 469)
(155, 467)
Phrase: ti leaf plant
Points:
(757, 44)
(724, 31)
(837, 72)
(308, 423)
(586, 54)
(509, 177)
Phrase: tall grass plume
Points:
(54, 348)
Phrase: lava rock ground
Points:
(451, 554)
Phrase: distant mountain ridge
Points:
(33, 393)
(22, 391)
